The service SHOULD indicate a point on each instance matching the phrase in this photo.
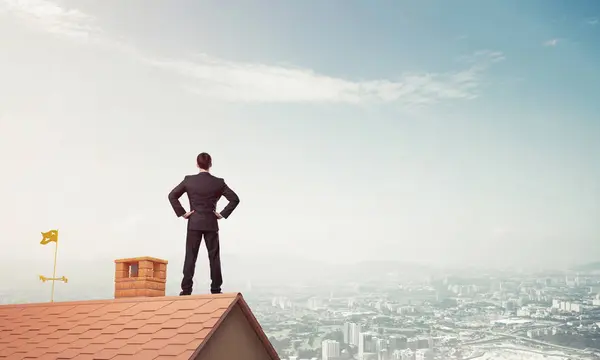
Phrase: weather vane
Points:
(48, 237)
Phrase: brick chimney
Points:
(140, 277)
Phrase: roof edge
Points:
(120, 300)
(257, 328)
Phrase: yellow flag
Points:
(49, 236)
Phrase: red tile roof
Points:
(129, 328)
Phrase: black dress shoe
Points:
(185, 293)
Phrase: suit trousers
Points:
(192, 246)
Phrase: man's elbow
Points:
(173, 196)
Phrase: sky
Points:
(446, 133)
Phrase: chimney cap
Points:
(143, 258)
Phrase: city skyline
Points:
(410, 132)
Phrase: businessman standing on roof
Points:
(204, 191)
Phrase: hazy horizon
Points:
(430, 133)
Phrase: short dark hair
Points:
(204, 161)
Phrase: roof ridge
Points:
(124, 300)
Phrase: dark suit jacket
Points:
(204, 191)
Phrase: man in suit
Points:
(204, 191)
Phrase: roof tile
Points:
(91, 349)
(164, 333)
(125, 334)
(183, 356)
(146, 354)
(79, 329)
(185, 304)
(112, 329)
(80, 344)
(126, 357)
(173, 323)
(184, 339)
(45, 357)
(58, 310)
(171, 350)
(158, 319)
(193, 345)
(68, 354)
(18, 343)
(214, 306)
(128, 349)
(134, 324)
(140, 339)
(155, 344)
(35, 353)
(116, 344)
(7, 351)
(190, 328)
(58, 348)
(180, 314)
(102, 339)
(149, 329)
(144, 315)
(151, 306)
(90, 334)
(106, 354)
(48, 329)
(68, 339)
(198, 318)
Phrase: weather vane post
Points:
(48, 237)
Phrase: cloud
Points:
(249, 82)
(592, 21)
(53, 18)
(551, 42)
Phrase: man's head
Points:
(204, 161)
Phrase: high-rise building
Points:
(380, 344)
(366, 344)
(330, 349)
(351, 333)
(397, 342)
(346, 331)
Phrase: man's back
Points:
(204, 191)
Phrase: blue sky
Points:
(440, 132)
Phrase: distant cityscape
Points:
(397, 315)
(545, 315)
